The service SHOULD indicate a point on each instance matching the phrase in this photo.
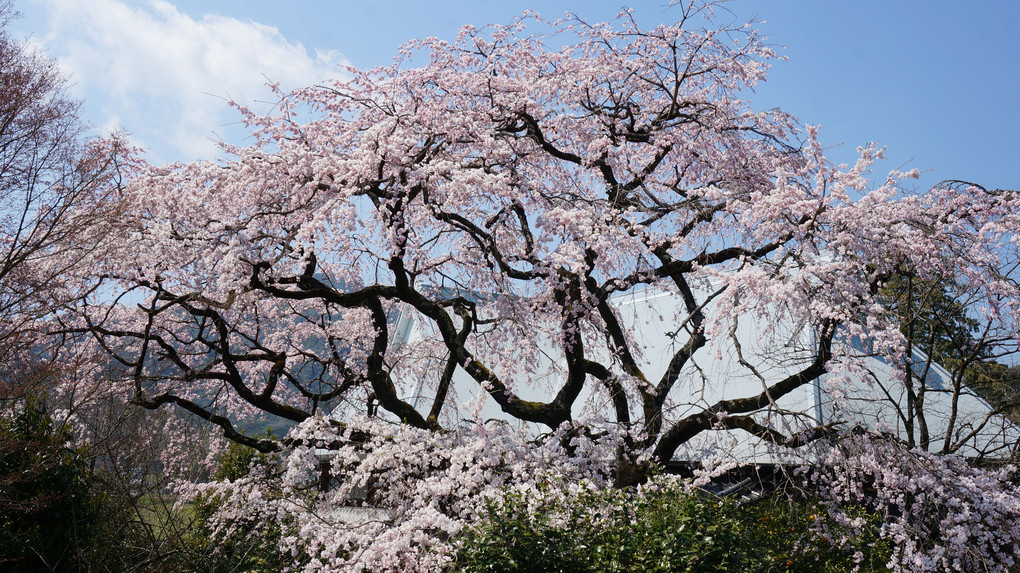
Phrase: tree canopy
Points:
(552, 177)
(505, 189)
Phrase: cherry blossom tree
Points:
(505, 189)
(940, 513)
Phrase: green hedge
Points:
(47, 511)
(664, 528)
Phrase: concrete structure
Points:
(755, 353)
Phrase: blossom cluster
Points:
(398, 495)
(939, 512)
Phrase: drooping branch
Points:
(551, 414)
(446, 378)
(379, 376)
(796, 440)
(616, 391)
(686, 428)
(229, 432)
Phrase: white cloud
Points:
(165, 76)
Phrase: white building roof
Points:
(768, 352)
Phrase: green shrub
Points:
(663, 528)
(254, 547)
(46, 508)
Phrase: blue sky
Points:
(936, 82)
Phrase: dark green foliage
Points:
(999, 385)
(934, 317)
(251, 552)
(89, 509)
(46, 509)
(666, 529)
(236, 462)
(937, 317)
(253, 548)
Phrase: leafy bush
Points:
(81, 508)
(665, 527)
(240, 544)
(46, 509)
